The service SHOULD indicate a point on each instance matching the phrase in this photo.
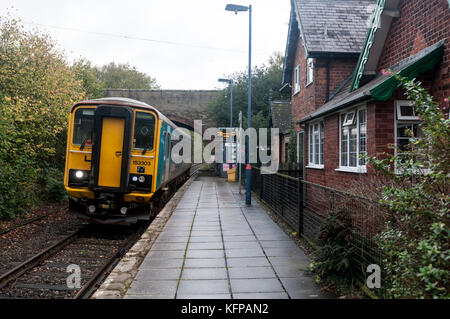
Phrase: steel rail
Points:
(100, 275)
(36, 259)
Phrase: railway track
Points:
(93, 250)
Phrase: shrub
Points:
(332, 263)
(416, 238)
(37, 89)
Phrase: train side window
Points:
(168, 145)
(144, 130)
(83, 126)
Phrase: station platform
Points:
(214, 246)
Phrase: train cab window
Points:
(83, 126)
(144, 130)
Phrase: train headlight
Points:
(79, 174)
(140, 182)
(78, 177)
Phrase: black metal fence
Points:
(305, 205)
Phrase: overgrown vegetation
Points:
(416, 238)
(265, 78)
(124, 76)
(37, 88)
(332, 264)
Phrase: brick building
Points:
(282, 119)
(350, 108)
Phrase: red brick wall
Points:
(421, 24)
(345, 180)
(304, 102)
(313, 96)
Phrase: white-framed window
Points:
(353, 140)
(406, 121)
(405, 110)
(297, 79)
(309, 71)
(315, 145)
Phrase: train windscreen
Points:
(144, 131)
(83, 126)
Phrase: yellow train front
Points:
(118, 163)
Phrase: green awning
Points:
(425, 62)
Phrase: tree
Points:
(264, 79)
(89, 77)
(37, 90)
(123, 76)
(416, 238)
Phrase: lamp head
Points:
(229, 81)
(235, 8)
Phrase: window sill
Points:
(308, 84)
(315, 166)
(295, 93)
(358, 170)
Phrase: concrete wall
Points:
(178, 105)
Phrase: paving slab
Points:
(204, 262)
(251, 272)
(205, 273)
(194, 287)
(256, 285)
(262, 295)
(214, 246)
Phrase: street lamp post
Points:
(230, 82)
(248, 173)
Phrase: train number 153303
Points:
(142, 163)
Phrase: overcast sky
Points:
(208, 42)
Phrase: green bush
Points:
(52, 183)
(16, 188)
(416, 238)
(37, 89)
(332, 263)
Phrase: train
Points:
(119, 167)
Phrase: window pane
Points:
(353, 135)
(344, 143)
(83, 126)
(403, 128)
(417, 131)
(406, 110)
(310, 145)
(362, 136)
(144, 129)
(310, 71)
(321, 143)
(316, 148)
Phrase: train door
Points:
(111, 152)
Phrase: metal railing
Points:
(304, 206)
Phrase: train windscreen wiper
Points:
(147, 148)
(83, 143)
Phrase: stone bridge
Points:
(180, 106)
